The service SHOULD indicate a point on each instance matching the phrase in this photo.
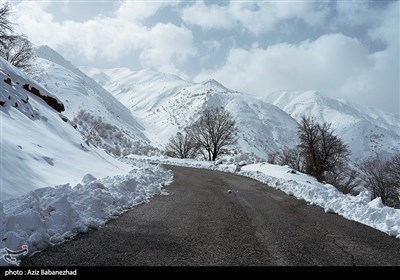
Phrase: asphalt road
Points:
(213, 218)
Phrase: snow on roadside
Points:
(40, 148)
(358, 208)
(51, 215)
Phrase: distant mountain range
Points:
(165, 104)
(366, 130)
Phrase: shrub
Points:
(382, 177)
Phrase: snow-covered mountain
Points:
(366, 130)
(79, 92)
(165, 104)
(39, 147)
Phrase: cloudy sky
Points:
(344, 49)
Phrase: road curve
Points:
(214, 218)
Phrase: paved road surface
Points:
(202, 223)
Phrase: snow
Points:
(367, 131)
(53, 185)
(50, 215)
(165, 104)
(77, 91)
(358, 208)
(37, 147)
(49, 189)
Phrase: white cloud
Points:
(310, 12)
(162, 46)
(139, 10)
(334, 64)
(255, 16)
(166, 46)
(259, 17)
(207, 16)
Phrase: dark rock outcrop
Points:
(52, 102)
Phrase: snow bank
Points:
(51, 215)
(358, 208)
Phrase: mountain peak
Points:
(49, 54)
(214, 84)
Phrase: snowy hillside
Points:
(52, 184)
(165, 104)
(79, 92)
(365, 130)
(38, 148)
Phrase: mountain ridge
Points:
(367, 131)
(80, 92)
(165, 105)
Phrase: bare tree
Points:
(292, 158)
(344, 179)
(6, 27)
(14, 48)
(321, 149)
(381, 177)
(182, 145)
(394, 168)
(287, 156)
(309, 138)
(214, 131)
(273, 157)
(17, 50)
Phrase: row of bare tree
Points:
(14, 48)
